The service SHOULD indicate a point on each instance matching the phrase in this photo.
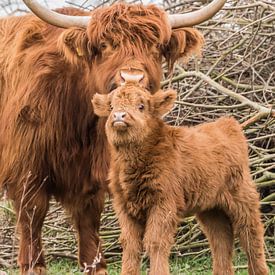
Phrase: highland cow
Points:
(159, 173)
(51, 142)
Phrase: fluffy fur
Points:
(51, 143)
(159, 173)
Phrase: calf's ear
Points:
(163, 101)
(101, 104)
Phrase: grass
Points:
(179, 266)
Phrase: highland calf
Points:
(51, 142)
(160, 173)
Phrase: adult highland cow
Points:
(51, 143)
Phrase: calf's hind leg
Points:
(218, 230)
(247, 225)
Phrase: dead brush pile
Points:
(235, 76)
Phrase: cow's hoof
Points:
(101, 271)
(37, 270)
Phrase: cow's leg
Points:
(219, 232)
(158, 238)
(248, 226)
(86, 218)
(31, 208)
(131, 241)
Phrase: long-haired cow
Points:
(159, 173)
(51, 142)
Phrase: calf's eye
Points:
(141, 107)
(111, 107)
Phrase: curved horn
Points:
(196, 17)
(56, 19)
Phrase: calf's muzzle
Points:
(119, 116)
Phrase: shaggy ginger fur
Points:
(51, 142)
(160, 173)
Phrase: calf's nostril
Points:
(119, 115)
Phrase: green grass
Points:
(179, 266)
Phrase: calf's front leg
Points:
(158, 238)
(131, 241)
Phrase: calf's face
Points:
(132, 112)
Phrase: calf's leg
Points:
(86, 218)
(159, 237)
(218, 230)
(131, 241)
(247, 224)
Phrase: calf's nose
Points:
(119, 116)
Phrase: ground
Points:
(181, 266)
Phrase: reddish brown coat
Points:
(51, 143)
(160, 173)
